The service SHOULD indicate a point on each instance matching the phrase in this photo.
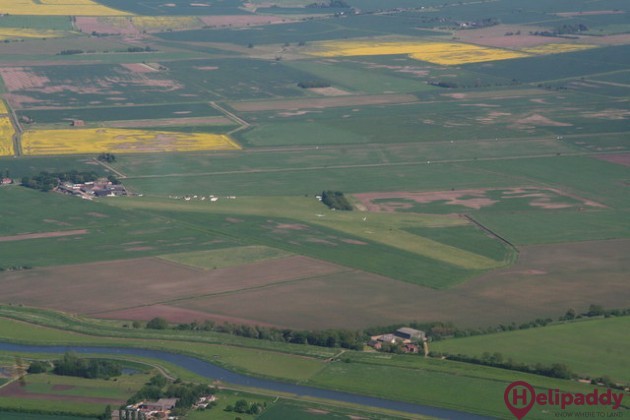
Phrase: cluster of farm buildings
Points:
(89, 190)
(408, 340)
(160, 409)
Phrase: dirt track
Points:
(42, 235)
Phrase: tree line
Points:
(355, 340)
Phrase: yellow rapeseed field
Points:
(58, 8)
(3, 108)
(446, 53)
(6, 136)
(19, 33)
(117, 140)
(557, 48)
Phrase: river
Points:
(214, 372)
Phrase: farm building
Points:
(410, 334)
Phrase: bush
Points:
(157, 323)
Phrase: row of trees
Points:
(324, 338)
(562, 30)
(310, 84)
(46, 181)
(556, 370)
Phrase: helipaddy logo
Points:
(520, 397)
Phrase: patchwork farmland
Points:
(482, 147)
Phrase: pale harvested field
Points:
(117, 285)
(494, 36)
(89, 24)
(331, 102)
(171, 122)
(19, 78)
(238, 21)
(139, 68)
(42, 235)
(546, 281)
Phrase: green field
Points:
(590, 347)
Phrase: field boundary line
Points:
(491, 232)
(223, 293)
(243, 124)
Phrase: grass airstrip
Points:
(57, 8)
(97, 140)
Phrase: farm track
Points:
(111, 168)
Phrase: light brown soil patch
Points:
(139, 68)
(116, 285)
(207, 68)
(620, 159)
(494, 36)
(609, 114)
(291, 226)
(238, 21)
(538, 120)
(88, 25)
(354, 242)
(295, 104)
(330, 91)
(22, 78)
(42, 235)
